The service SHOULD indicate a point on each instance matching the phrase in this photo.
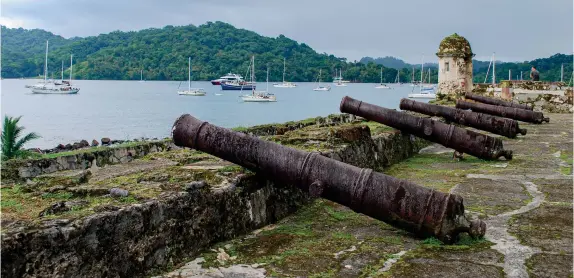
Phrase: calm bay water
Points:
(132, 109)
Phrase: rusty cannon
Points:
(503, 111)
(422, 211)
(497, 125)
(459, 139)
(498, 102)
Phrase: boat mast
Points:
(141, 75)
(381, 74)
(422, 72)
(493, 71)
(71, 68)
(429, 76)
(283, 70)
(46, 65)
(488, 71)
(62, 70)
(422, 68)
(562, 73)
(267, 89)
(189, 74)
(509, 75)
(253, 74)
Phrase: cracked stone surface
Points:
(526, 202)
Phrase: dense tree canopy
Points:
(215, 48)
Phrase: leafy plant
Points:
(13, 140)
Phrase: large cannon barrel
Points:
(414, 208)
(503, 111)
(460, 139)
(497, 125)
(499, 102)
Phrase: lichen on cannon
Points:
(422, 211)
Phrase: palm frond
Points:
(11, 145)
(27, 138)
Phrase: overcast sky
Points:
(516, 30)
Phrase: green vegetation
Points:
(13, 139)
(94, 149)
(549, 68)
(215, 48)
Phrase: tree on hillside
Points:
(12, 140)
(215, 48)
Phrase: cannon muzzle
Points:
(403, 204)
(497, 125)
(450, 136)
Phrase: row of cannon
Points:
(403, 204)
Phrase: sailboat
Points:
(427, 86)
(319, 87)
(45, 81)
(424, 91)
(65, 87)
(382, 86)
(258, 96)
(397, 79)
(340, 80)
(191, 91)
(284, 84)
(413, 82)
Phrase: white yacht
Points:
(425, 91)
(423, 94)
(230, 77)
(382, 85)
(320, 87)
(340, 82)
(258, 96)
(191, 91)
(284, 84)
(51, 87)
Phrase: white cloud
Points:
(11, 22)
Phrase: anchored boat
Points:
(382, 86)
(230, 77)
(320, 87)
(51, 87)
(258, 96)
(284, 84)
(425, 91)
(191, 91)
(340, 82)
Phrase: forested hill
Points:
(549, 67)
(215, 48)
(394, 63)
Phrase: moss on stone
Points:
(455, 46)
